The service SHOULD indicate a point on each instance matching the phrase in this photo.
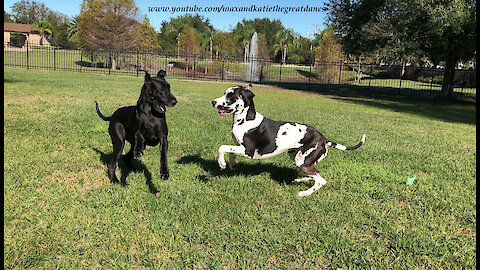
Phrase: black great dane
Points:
(258, 137)
(141, 125)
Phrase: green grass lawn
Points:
(60, 211)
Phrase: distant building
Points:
(32, 36)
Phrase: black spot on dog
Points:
(284, 133)
(300, 130)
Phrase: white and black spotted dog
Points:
(258, 137)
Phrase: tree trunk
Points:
(114, 66)
(211, 49)
(404, 65)
(245, 56)
(449, 75)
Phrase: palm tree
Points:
(283, 38)
(43, 27)
(73, 28)
(244, 36)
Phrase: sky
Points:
(303, 23)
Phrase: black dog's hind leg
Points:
(128, 158)
(139, 144)
(117, 133)
(164, 173)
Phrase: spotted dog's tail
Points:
(100, 114)
(342, 147)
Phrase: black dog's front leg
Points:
(164, 173)
(139, 144)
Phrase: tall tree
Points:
(261, 26)
(223, 44)
(146, 36)
(170, 30)
(442, 30)
(450, 35)
(108, 25)
(188, 41)
(301, 50)
(242, 34)
(328, 52)
(283, 37)
(72, 28)
(188, 44)
(7, 17)
(60, 35)
(29, 12)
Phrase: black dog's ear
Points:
(144, 96)
(161, 74)
(147, 77)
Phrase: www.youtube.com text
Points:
(229, 9)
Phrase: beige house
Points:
(32, 36)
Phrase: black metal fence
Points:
(331, 75)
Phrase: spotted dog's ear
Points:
(247, 96)
(161, 74)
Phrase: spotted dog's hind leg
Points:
(292, 153)
(306, 158)
(302, 180)
(312, 172)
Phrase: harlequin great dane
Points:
(259, 137)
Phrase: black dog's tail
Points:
(342, 147)
(100, 114)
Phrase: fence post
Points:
(166, 63)
(431, 81)
(401, 76)
(281, 64)
(340, 74)
(310, 75)
(109, 60)
(54, 65)
(138, 51)
(194, 64)
(28, 67)
(223, 70)
(371, 71)
(81, 59)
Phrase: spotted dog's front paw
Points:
(222, 163)
(304, 193)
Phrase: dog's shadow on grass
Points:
(281, 175)
(137, 165)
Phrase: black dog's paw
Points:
(115, 181)
(138, 153)
(164, 176)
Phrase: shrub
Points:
(428, 79)
(379, 73)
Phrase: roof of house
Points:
(17, 27)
